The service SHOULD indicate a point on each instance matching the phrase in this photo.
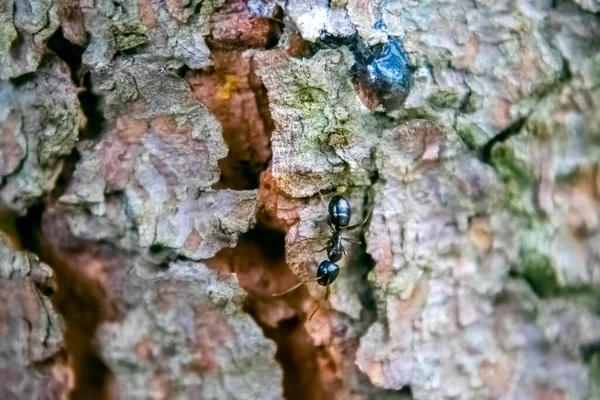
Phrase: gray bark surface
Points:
(32, 361)
(166, 161)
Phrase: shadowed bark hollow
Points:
(161, 171)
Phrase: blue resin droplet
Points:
(382, 75)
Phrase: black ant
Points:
(338, 218)
(339, 214)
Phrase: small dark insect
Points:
(339, 214)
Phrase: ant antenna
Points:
(296, 286)
(322, 201)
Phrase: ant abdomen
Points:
(339, 211)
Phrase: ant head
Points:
(327, 273)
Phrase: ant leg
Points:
(360, 223)
(352, 240)
(296, 286)
(318, 307)
(345, 255)
(313, 313)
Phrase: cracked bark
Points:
(166, 156)
(33, 360)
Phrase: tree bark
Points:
(166, 160)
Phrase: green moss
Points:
(307, 95)
(594, 377)
(471, 135)
(509, 167)
(408, 114)
(444, 99)
(519, 184)
(129, 34)
(542, 276)
(473, 102)
(7, 35)
(311, 96)
(596, 69)
(311, 101)
(592, 130)
(339, 138)
(537, 269)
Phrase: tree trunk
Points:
(168, 163)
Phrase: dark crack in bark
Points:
(79, 300)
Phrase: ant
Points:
(338, 218)
(339, 214)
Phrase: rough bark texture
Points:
(164, 159)
(32, 363)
